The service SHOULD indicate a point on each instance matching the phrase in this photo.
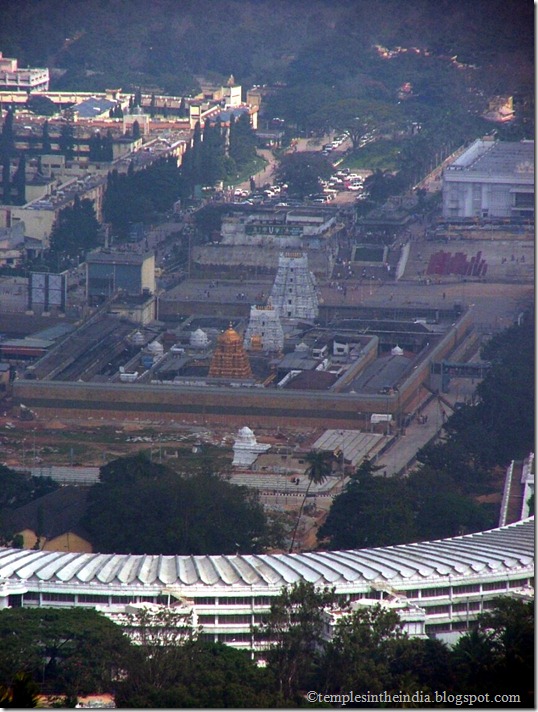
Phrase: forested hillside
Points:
(167, 43)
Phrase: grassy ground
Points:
(255, 166)
(382, 155)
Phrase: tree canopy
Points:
(185, 512)
(302, 172)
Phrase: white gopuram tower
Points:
(294, 291)
(264, 331)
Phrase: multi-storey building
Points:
(22, 80)
(452, 580)
(491, 179)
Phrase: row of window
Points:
(267, 600)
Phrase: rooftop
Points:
(486, 553)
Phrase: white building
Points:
(294, 291)
(453, 580)
(24, 80)
(491, 179)
(246, 448)
(264, 330)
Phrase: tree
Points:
(295, 627)
(19, 181)
(75, 230)
(359, 655)
(46, 146)
(498, 653)
(182, 512)
(72, 651)
(196, 674)
(66, 141)
(302, 172)
(22, 693)
(371, 511)
(41, 105)
(356, 118)
(242, 140)
(319, 469)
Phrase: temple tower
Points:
(294, 291)
(230, 359)
(264, 330)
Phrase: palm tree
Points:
(318, 470)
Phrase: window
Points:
(468, 606)
(92, 598)
(122, 599)
(59, 597)
(236, 619)
(468, 588)
(235, 601)
(205, 601)
(205, 620)
(493, 586)
(31, 596)
(444, 591)
(517, 583)
(262, 601)
(433, 610)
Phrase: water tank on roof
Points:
(199, 339)
(138, 338)
(156, 348)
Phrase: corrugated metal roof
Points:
(494, 551)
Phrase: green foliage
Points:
(372, 511)
(242, 139)
(500, 427)
(172, 513)
(75, 231)
(382, 511)
(295, 627)
(302, 172)
(75, 651)
(498, 654)
(319, 468)
(199, 675)
(137, 196)
(22, 693)
(66, 141)
(41, 105)
(359, 655)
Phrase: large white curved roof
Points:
(489, 553)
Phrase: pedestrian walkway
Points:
(400, 456)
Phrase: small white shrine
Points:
(246, 449)
(199, 339)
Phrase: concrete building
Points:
(452, 580)
(108, 272)
(294, 292)
(22, 80)
(491, 180)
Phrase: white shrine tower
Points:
(246, 449)
(264, 331)
(294, 291)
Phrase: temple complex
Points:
(294, 290)
(230, 359)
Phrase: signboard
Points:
(380, 418)
(278, 230)
(46, 290)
